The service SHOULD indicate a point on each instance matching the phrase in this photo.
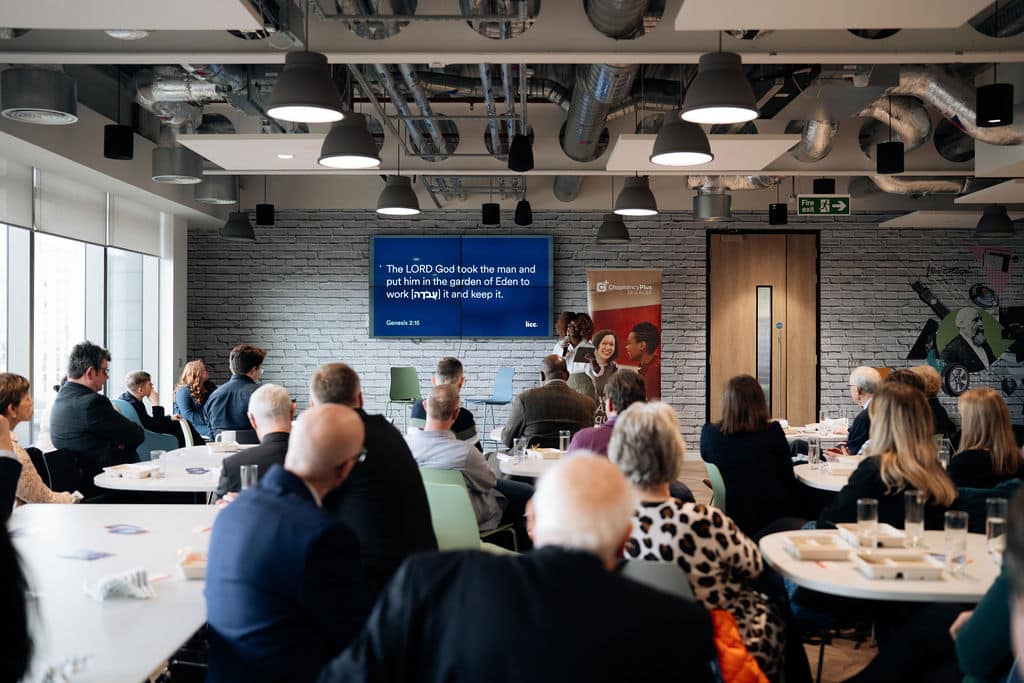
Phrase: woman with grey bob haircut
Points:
(721, 564)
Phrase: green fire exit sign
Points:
(823, 205)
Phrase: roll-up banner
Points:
(628, 302)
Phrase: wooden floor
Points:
(842, 658)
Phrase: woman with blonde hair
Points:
(902, 457)
(191, 393)
(932, 385)
(988, 451)
(721, 564)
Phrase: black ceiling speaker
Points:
(520, 154)
(824, 186)
(118, 142)
(524, 213)
(994, 104)
(490, 213)
(889, 157)
(264, 214)
(778, 213)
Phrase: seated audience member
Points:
(449, 371)
(720, 562)
(603, 367)
(495, 501)
(139, 385)
(190, 396)
(227, 407)
(988, 451)
(10, 472)
(908, 377)
(283, 590)
(932, 385)
(622, 390)
(17, 642)
(902, 457)
(581, 383)
(540, 413)
(16, 406)
(452, 616)
(864, 382)
(86, 423)
(271, 412)
(642, 347)
(753, 455)
(383, 501)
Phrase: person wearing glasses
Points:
(271, 412)
(864, 382)
(86, 423)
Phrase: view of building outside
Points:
(4, 271)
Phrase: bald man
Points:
(572, 617)
(541, 413)
(283, 591)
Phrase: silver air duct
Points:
(815, 139)
(443, 83)
(732, 182)
(712, 204)
(909, 120)
(373, 30)
(492, 119)
(954, 98)
(908, 185)
(174, 164)
(420, 98)
(617, 18)
(175, 100)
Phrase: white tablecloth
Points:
(822, 478)
(178, 479)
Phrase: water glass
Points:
(519, 447)
(945, 451)
(249, 474)
(814, 454)
(956, 542)
(913, 518)
(995, 527)
(159, 458)
(564, 437)
(867, 523)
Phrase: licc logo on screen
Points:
(630, 290)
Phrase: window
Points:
(3, 297)
(132, 303)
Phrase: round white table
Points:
(826, 441)
(527, 467)
(823, 479)
(177, 479)
(124, 640)
(838, 577)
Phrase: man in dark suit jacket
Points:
(283, 591)
(228, 406)
(85, 422)
(139, 385)
(542, 412)
(270, 413)
(574, 617)
(864, 382)
(969, 347)
(383, 501)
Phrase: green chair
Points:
(454, 523)
(404, 390)
(717, 485)
(454, 478)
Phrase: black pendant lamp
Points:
(995, 222)
(994, 102)
(680, 143)
(398, 198)
(118, 140)
(490, 212)
(778, 213)
(889, 155)
(524, 212)
(721, 92)
(238, 228)
(265, 214)
(520, 154)
(305, 91)
(636, 198)
(349, 145)
(613, 229)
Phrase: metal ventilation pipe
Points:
(506, 87)
(617, 18)
(909, 120)
(656, 95)
(418, 96)
(954, 98)
(492, 119)
(176, 101)
(373, 30)
(815, 139)
(398, 99)
(435, 82)
(731, 182)
(907, 185)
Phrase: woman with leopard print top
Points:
(721, 563)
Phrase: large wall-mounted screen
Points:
(461, 286)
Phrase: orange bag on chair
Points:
(735, 661)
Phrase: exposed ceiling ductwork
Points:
(732, 182)
(906, 185)
(907, 117)
(815, 139)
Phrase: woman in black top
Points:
(753, 456)
(988, 451)
(902, 457)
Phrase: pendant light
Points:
(612, 229)
(305, 91)
(778, 213)
(995, 222)
(398, 198)
(238, 228)
(118, 140)
(41, 96)
(721, 92)
(636, 198)
(349, 145)
(490, 212)
(994, 102)
(265, 214)
(524, 212)
(520, 149)
(889, 155)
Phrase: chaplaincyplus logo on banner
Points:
(628, 302)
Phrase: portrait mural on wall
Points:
(973, 337)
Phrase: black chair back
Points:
(63, 472)
(246, 436)
(37, 460)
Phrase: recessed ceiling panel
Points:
(950, 220)
(1009, 192)
(176, 15)
(728, 15)
(248, 152)
(732, 153)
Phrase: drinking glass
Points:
(956, 542)
(519, 447)
(814, 454)
(867, 523)
(913, 518)
(564, 437)
(995, 527)
(249, 474)
(159, 458)
(945, 450)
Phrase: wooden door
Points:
(763, 319)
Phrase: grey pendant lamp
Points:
(612, 229)
(994, 102)
(238, 228)
(41, 96)
(636, 198)
(349, 145)
(721, 92)
(680, 143)
(265, 213)
(398, 198)
(305, 91)
(995, 222)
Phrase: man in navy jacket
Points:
(283, 591)
(228, 406)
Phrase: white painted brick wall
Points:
(301, 293)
